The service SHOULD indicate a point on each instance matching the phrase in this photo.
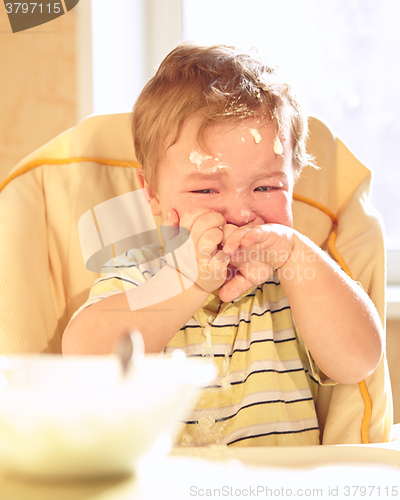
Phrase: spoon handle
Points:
(130, 349)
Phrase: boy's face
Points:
(241, 177)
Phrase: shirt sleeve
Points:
(125, 272)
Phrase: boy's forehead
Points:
(247, 128)
(227, 143)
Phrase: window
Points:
(120, 46)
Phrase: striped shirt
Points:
(267, 383)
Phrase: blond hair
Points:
(222, 83)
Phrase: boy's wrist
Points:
(301, 257)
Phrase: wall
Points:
(37, 86)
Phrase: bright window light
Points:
(118, 57)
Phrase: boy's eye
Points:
(204, 191)
(264, 188)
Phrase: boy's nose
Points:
(239, 215)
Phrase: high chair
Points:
(44, 279)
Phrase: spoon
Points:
(130, 349)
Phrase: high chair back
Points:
(44, 278)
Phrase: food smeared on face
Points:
(198, 159)
(256, 134)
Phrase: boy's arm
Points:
(97, 328)
(335, 317)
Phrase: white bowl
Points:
(77, 416)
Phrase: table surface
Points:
(368, 471)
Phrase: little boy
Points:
(221, 141)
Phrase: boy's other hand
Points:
(269, 244)
(256, 252)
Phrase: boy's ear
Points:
(150, 193)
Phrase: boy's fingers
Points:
(233, 288)
(233, 241)
(208, 222)
(249, 275)
(256, 235)
(172, 218)
(228, 229)
(218, 264)
(257, 272)
(209, 242)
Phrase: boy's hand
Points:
(205, 229)
(256, 252)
